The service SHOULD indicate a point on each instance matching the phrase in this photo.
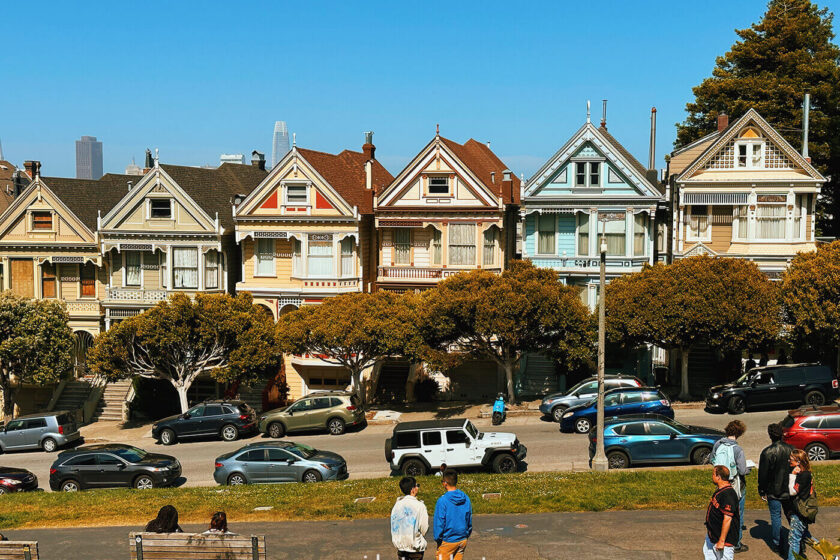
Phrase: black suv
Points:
(226, 419)
(112, 464)
(772, 386)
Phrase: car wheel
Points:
(413, 467)
(312, 476)
(49, 445)
(229, 432)
(336, 426)
(70, 486)
(815, 398)
(504, 463)
(237, 479)
(2, 490)
(167, 437)
(583, 425)
(276, 430)
(737, 405)
(700, 456)
(817, 452)
(144, 482)
(557, 413)
(618, 460)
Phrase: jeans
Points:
(711, 553)
(742, 502)
(775, 507)
(798, 532)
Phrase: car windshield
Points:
(302, 451)
(680, 427)
(744, 379)
(131, 454)
(472, 430)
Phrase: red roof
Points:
(481, 160)
(345, 173)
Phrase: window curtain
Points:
(265, 257)
(583, 234)
(132, 268)
(545, 237)
(614, 234)
(185, 267)
(639, 234)
(211, 270)
(771, 221)
(402, 245)
(348, 265)
(297, 258)
(437, 252)
(462, 244)
(489, 246)
(320, 258)
(699, 221)
(741, 221)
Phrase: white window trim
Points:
(750, 142)
(273, 274)
(307, 188)
(30, 221)
(588, 175)
(449, 189)
(124, 270)
(690, 234)
(149, 209)
(736, 228)
(577, 233)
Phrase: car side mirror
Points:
(291, 413)
(121, 466)
(186, 416)
(673, 436)
(291, 461)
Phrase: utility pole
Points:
(599, 462)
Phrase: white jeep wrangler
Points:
(417, 448)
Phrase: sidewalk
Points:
(653, 535)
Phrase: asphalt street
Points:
(548, 449)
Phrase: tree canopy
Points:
(774, 62)
(179, 339)
(36, 345)
(503, 317)
(725, 303)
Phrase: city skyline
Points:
(88, 158)
(280, 142)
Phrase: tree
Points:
(787, 53)
(503, 317)
(36, 345)
(181, 338)
(355, 330)
(811, 298)
(723, 302)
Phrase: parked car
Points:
(47, 431)
(333, 411)
(278, 461)
(555, 405)
(415, 448)
(227, 419)
(770, 386)
(814, 429)
(17, 480)
(617, 402)
(652, 438)
(110, 465)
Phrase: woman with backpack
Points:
(802, 498)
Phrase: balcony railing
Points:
(423, 274)
(136, 295)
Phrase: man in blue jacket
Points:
(453, 519)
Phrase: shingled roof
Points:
(345, 172)
(86, 198)
(481, 160)
(637, 165)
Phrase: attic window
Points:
(297, 194)
(438, 184)
(42, 221)
(160, 208)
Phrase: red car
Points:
(815, 429)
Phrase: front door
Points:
(764, 391)
(23, 279)
(15, 434)
(459, 448)
(211, 422)
(112, 470)
(283, 466)
(667, 444)
(191, 423)
(298, 415)
(33, 431)
(254, 465)
(431, 444)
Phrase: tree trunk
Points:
(509, 380)
(684, 394)
(359, 386)
(182, 389)
(8, 402)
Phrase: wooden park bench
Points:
(19, 550)
(195, 546)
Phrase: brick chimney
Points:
(723, 121)
(33, 168)
(507, 183)
(258, 159)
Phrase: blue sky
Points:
(196, 79)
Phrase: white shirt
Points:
(409, 522)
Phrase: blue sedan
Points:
(617, 402)
(651, 438)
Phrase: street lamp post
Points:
(599, 462)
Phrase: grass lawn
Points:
(521, 493)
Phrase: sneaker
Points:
(741, 548)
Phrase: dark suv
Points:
(113, 464)
(774, 386)
(226, 419)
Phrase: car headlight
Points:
(12, 481)
(715, 395)
(262, 418)
(159, 469)
(568, 414)
(326, 466)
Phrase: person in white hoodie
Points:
(409, 522)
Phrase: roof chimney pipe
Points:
(806, 113)
(723, 122)
(652, 154)
(604, 116)
(368, 148)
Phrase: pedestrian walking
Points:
(409, 522)
(800, 486)
(773, 471)
(165, 522)
(218, 525)
(728, 453)
(453, 519)
(722, 519)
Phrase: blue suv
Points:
(617, 402)
(651, 438)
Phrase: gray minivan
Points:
(555, 405)
(47, 431)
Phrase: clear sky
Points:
(196, 79)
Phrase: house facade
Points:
(744, 192)
(305, 234)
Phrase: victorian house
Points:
(744, 192)
(305, 234)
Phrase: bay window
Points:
(211, 270)
(770, 221)
(264, 254)
(614, 235)
(583, 234)
(185, 268)
(320, 255)
(348, 263)
(639, 221)
(462, 244)
(698, 224)
(437, 247)
(489, 246)
(740, 216)
(402, 245)
(132, 268)
(546, 228)
(800, 212)
(297, 258)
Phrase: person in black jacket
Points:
(773, 470)
(800, 486)
(165, 522)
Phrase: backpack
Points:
(725, 455)
(807, 508)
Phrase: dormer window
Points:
(749, 150)
(438, 184)
(42, 221)
(160, 208)
(588, 174)
(297, 195)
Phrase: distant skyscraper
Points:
(88, 158)
(133, 169)
(280, 145)
(232, 158)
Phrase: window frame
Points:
(431, 193)
(125, 264)
(474, 229)
(197, 268)
(488, 246)
(690, 233)
(35, 214)
(288, 202)
(546, 233)
(348, 259)
(588, 169)
(46, 269)
(310, 243)
(640, 219)
(750, 144)
(207, 269)
(397, 259)
(436, 247)
(83, 279)
(578, 226)
(151, 210)
(258, 259)
(765, 219)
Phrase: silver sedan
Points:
(278, 461)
